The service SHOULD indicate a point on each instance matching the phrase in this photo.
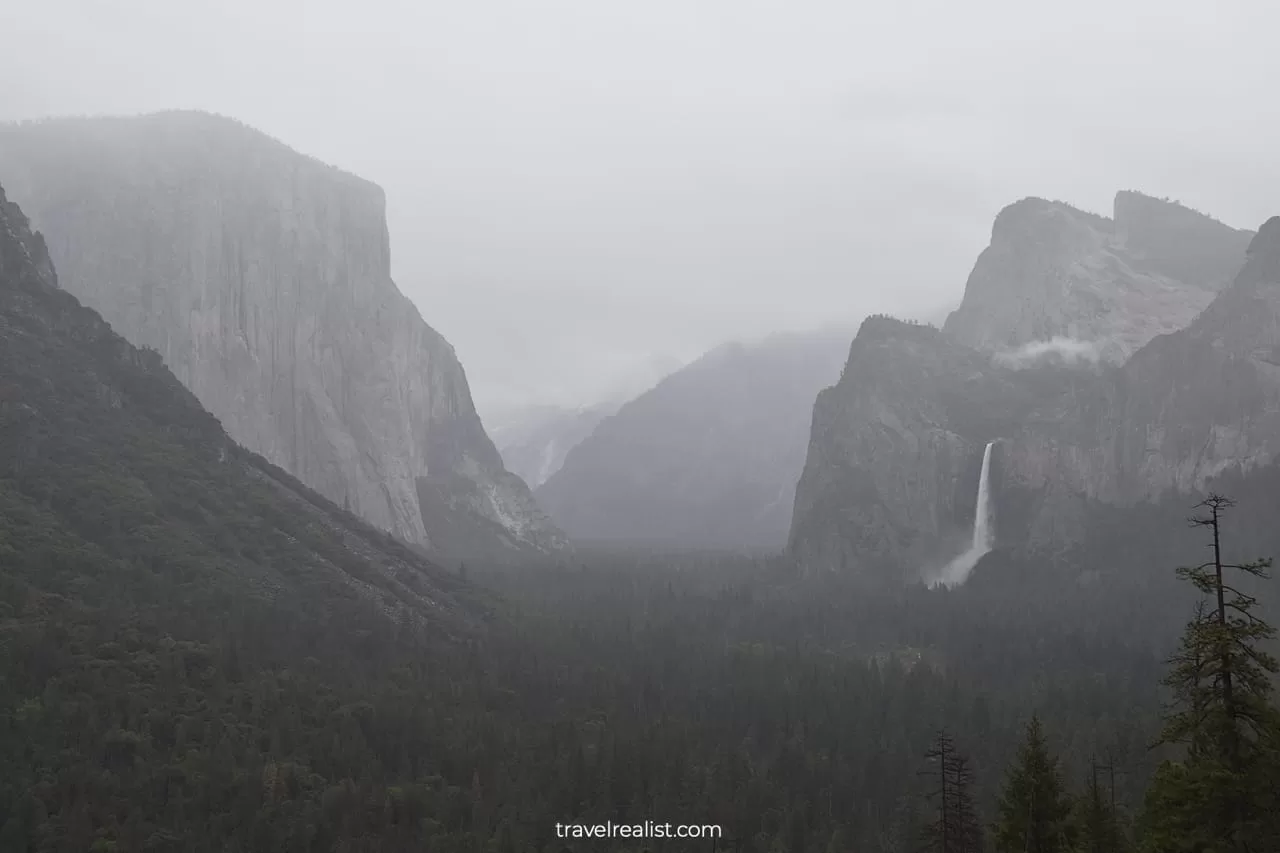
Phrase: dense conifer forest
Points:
(796, 714)
(199, 654)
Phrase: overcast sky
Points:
(580, 189)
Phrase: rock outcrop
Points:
(1206, 399)
(1186, 408)
(708, 458)
(889, 482)
(1053, 272)
(112, 476)
(891, 474)
(262, 277)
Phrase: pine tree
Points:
(1034, 808)
(1099, 826)
(1222, 795)
(956, 828)
(969, 835)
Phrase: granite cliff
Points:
(893, 461)
(115, 484)
(1053, 272)
(262, 277)
(896, 444)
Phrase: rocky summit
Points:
(890, 479)
(1057, 276)
(262, 278)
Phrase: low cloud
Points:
(1058, 350)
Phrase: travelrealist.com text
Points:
(648, 829)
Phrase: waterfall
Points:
(982, 508)
(957, 571)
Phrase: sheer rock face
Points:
(1184, 409)
(879, 481)
(1207, 399)
(1052, 271)
(896, 446)
(893, 459)
(262, 277)
(98, 438)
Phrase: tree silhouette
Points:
(956, 828)
(1222, 796)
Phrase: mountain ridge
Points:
(143, 421)
(262, 276)
(1053, 270)
(708, 457)
(892, 465)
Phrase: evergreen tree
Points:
(1222, 795)
(1034, 808)
(1099, 826)
(968, 834)
(956, 828)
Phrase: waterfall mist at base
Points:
(957, 571)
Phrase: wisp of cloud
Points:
(1058, 348)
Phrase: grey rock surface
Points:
(1054, 272)
(892, 467)
(262, 277)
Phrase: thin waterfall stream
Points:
(957, 571)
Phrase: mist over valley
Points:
(515, 428)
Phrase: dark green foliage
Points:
(1034, 808)
(197, 653)
(1097, 819)
(1223, 794)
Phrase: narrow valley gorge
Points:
(639, 428)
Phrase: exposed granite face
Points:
(1052, 271)
(1184, 409)
(99, 438)
(24, 254)
(879, 479)
(262, 277)
(892, 466)
(896, 447)
(708, 458)
(1207, 399)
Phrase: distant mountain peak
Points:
(706, 458)
(896, 446)
(1054, 271)
(1038, 219)
(886, 325)
(1267, 241)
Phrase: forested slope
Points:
(199, 654)
(190, 640)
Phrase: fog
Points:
(580, 193)
(1067, 350)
